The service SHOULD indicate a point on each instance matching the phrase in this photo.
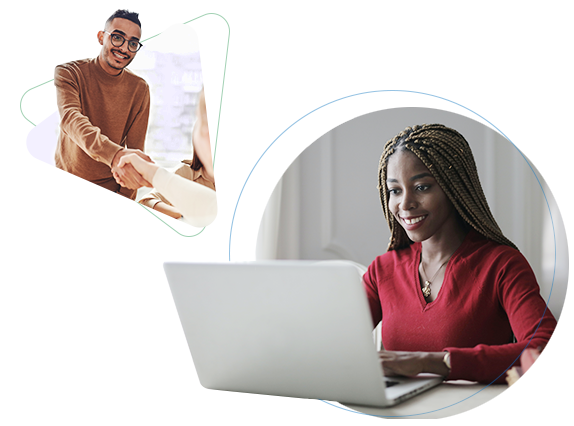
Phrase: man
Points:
(104, 109)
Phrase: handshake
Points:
(133, 169)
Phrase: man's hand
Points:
(109, 213)
(126, 175)
(144, 169)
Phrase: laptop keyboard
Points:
(389, 383)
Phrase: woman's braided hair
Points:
(447, 155)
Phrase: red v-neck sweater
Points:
(489, 291)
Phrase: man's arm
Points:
(75, 124)
(134, 142)
(90, 138)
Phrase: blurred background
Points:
(326, 206)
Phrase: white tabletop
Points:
(445, 400)
(184, 397)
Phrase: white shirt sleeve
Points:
(196, 203)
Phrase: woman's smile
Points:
(413, 222)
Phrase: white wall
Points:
(327, 206)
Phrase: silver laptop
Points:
(289, 328)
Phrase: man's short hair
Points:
(125, 14)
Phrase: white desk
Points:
(445, 400)
(183, 397)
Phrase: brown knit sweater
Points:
(99, 115)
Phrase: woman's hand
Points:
(145, 168)
(126, 175)
(167, 209)
(412, 363)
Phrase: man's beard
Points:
(113, 64)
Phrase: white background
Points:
(88, 330)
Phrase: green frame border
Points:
(219, 49)
(30, 55)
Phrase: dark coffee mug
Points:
(71, 206)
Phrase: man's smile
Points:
(120, 55)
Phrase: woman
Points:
(199, 169)
(452, 292)
(189, 192)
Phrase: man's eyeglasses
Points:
(118, 40)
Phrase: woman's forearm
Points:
(433, 362)
(197, 203)
(403, 363)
